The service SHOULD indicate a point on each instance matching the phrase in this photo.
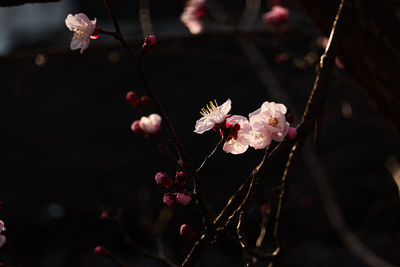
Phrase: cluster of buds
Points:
(267, 123)
(135, 101)
(180, 195)
(278, 14)
(149, 126)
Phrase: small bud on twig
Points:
(101, 251)
(163, 179)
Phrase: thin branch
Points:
(138, 248)
(183, 157)
(208, 157)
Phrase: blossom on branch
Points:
(192, 15)
(269, 123)
(240, 135)
(213, 116)
(151, 124)
(83, 28)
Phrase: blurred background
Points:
(68, 151)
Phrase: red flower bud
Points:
(169, 199)
(149, 42)
(180, 178)
(132, 98)
(163, 179)
(277, 16)
(265, 208)
(183, 198)
(187, 231)
(292, 133)
(101, 251)
(144, 100)
(281, 58)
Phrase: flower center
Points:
(233, 133)
(210, 109)
(273, 121)
(80, 31)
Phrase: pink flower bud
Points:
(104, 215)
(144, 100)
(187, 231)
(132, 98)
(149, 42)
(135, 127)
(183, 198)
(169, 199)
(277, 16)
(101, 251)
(292, 133)
(163, 179)
(339, 63)
(180, 178)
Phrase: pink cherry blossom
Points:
(83, 28)
(151, 124)
(239, 136)
(183, 198)
(268, 122)
(2, 237)
(277, 16)
(212, 116)
(192, 14)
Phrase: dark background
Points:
(67, 148)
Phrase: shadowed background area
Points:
(68, 151)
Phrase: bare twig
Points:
(183, 156)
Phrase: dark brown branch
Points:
(138, 248)
(183, 157)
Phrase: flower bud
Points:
(187, 231)
(104, 215)
(281, 58)
(180, 178)
(292, 133)
(144, 100)
(169, 199)
(132, 98)
(135, 127)
(101, 251)
(277, 16)
(149, 42)
(183, 198)
(163, 179)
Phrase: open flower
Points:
(151, 124)
(212, 116)
(83, 28)
(2, 237)
(240, 134)
(269, 120)
(192, 14)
